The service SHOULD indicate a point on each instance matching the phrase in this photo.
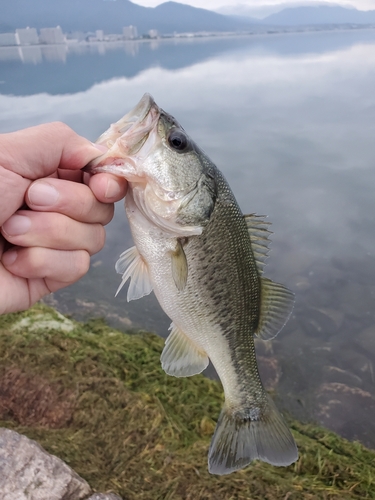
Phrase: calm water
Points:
(290, 120)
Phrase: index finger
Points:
(73, 199)
(39, 151)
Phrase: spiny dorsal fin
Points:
(180, 356)
(259, 237)
(131, 265)
(179, 266)
(276, 305)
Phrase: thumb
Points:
(34, 153)
(12, 193)
(38, 152)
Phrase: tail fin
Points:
(238, 440)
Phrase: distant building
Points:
(130, 32)
(153, 34)
(99, 35)
(51, 35)
(7, 39)
(114, 37)
(75, 35)
(27, 36)
(90, 36)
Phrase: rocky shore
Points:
(97, 399)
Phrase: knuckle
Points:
(58, 132)
(59, 229)
(74, 201)
(32, 262)
(82, 209)
(35, 259)
(60, 128)
(99, 238)
(110, 211)
(80, 264)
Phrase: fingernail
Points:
(16, 225)
(9, 257)
(113, 189)
(101, 148)
(43, 194)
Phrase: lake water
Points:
(290, 120)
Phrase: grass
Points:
(98, 399)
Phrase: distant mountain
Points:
(320, 15)
(261, 11)
(112, 15)
(186, 18)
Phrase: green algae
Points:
(98, 398)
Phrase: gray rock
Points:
(104, 496)
(28, 472)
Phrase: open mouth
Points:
(125, 137)
(131, 121)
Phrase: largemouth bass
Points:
(204, 261)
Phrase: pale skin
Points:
(51, 214)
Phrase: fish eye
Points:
(177, 140)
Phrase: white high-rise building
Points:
(28, 36)
(51, 35)
(129, 32)
(7, 39)
(153, 34)
(99, 35)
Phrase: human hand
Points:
(50, 221)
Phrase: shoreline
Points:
(39, 53)
(270, 31)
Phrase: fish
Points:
(204, 260)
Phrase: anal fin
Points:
(131, 265)
(180, 356)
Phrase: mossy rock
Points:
(98, 399)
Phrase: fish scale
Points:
(204, 261)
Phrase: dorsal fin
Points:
(276, 305)
(259, 237)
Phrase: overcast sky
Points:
(214, 4)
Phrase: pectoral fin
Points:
(179, 266)
(131, 265)
(181, 357)
(275, 308)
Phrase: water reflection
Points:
(30, 54)
(53, 53)
(37, 54)
(130, 58)
(290, 121)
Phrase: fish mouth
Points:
(125, 138)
